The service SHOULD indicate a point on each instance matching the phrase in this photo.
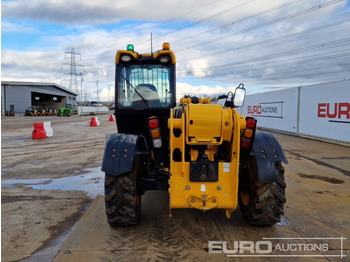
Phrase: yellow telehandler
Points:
(205, 155)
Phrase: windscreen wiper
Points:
(127, 81)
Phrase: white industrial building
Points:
(16, 97)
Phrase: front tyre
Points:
(123, 204)
(261, 203)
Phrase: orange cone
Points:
(39, 131)
(111, 118)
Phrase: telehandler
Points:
(205, 155)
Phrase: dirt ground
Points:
(318, 202)
(31, 218)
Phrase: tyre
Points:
(261, 203)
(123, 204)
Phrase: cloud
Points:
(110, 11)
(8, 27)
(183, 89)
(215, 46)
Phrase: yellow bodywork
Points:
(207, 125)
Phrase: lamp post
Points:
(81, 93)
(97, 96)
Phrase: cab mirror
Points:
(239, 96)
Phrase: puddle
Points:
(19, 137)
(91, 182)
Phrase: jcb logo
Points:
(336, 110)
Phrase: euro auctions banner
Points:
(274, 110)
(325, 111)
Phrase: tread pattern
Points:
(266, 203)
(123, 204)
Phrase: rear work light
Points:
(125, 58)
(164, 59)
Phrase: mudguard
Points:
(119, 153)
(267, 152)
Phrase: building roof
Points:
(19, 83)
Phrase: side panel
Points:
(119, 154)
(276, 110)
(325, 111)
(267, 152)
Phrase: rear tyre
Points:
(123, 204)
(261, 203)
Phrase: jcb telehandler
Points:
(206, 155)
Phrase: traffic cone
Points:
(39, 131)
(111, 118)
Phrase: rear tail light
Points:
(155, 133)
(157, 143)
(248, 134)
(251, 122)
(246, 143)
(154, 130)
(153, 123)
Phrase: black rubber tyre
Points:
(261, 203)
(123, 204)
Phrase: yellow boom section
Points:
(205, 130)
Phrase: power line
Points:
(209, 17)
(271, 40)
(239, 21)
(263, 24)
(301, 50)
(279, 65)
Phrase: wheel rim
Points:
(245, 198)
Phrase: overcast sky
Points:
(218, 43)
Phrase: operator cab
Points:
(145, 81)
(145, 89)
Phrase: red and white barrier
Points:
(48, 129)
(94, 121)
(39, 131)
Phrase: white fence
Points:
(89, 110)
(321, 111)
